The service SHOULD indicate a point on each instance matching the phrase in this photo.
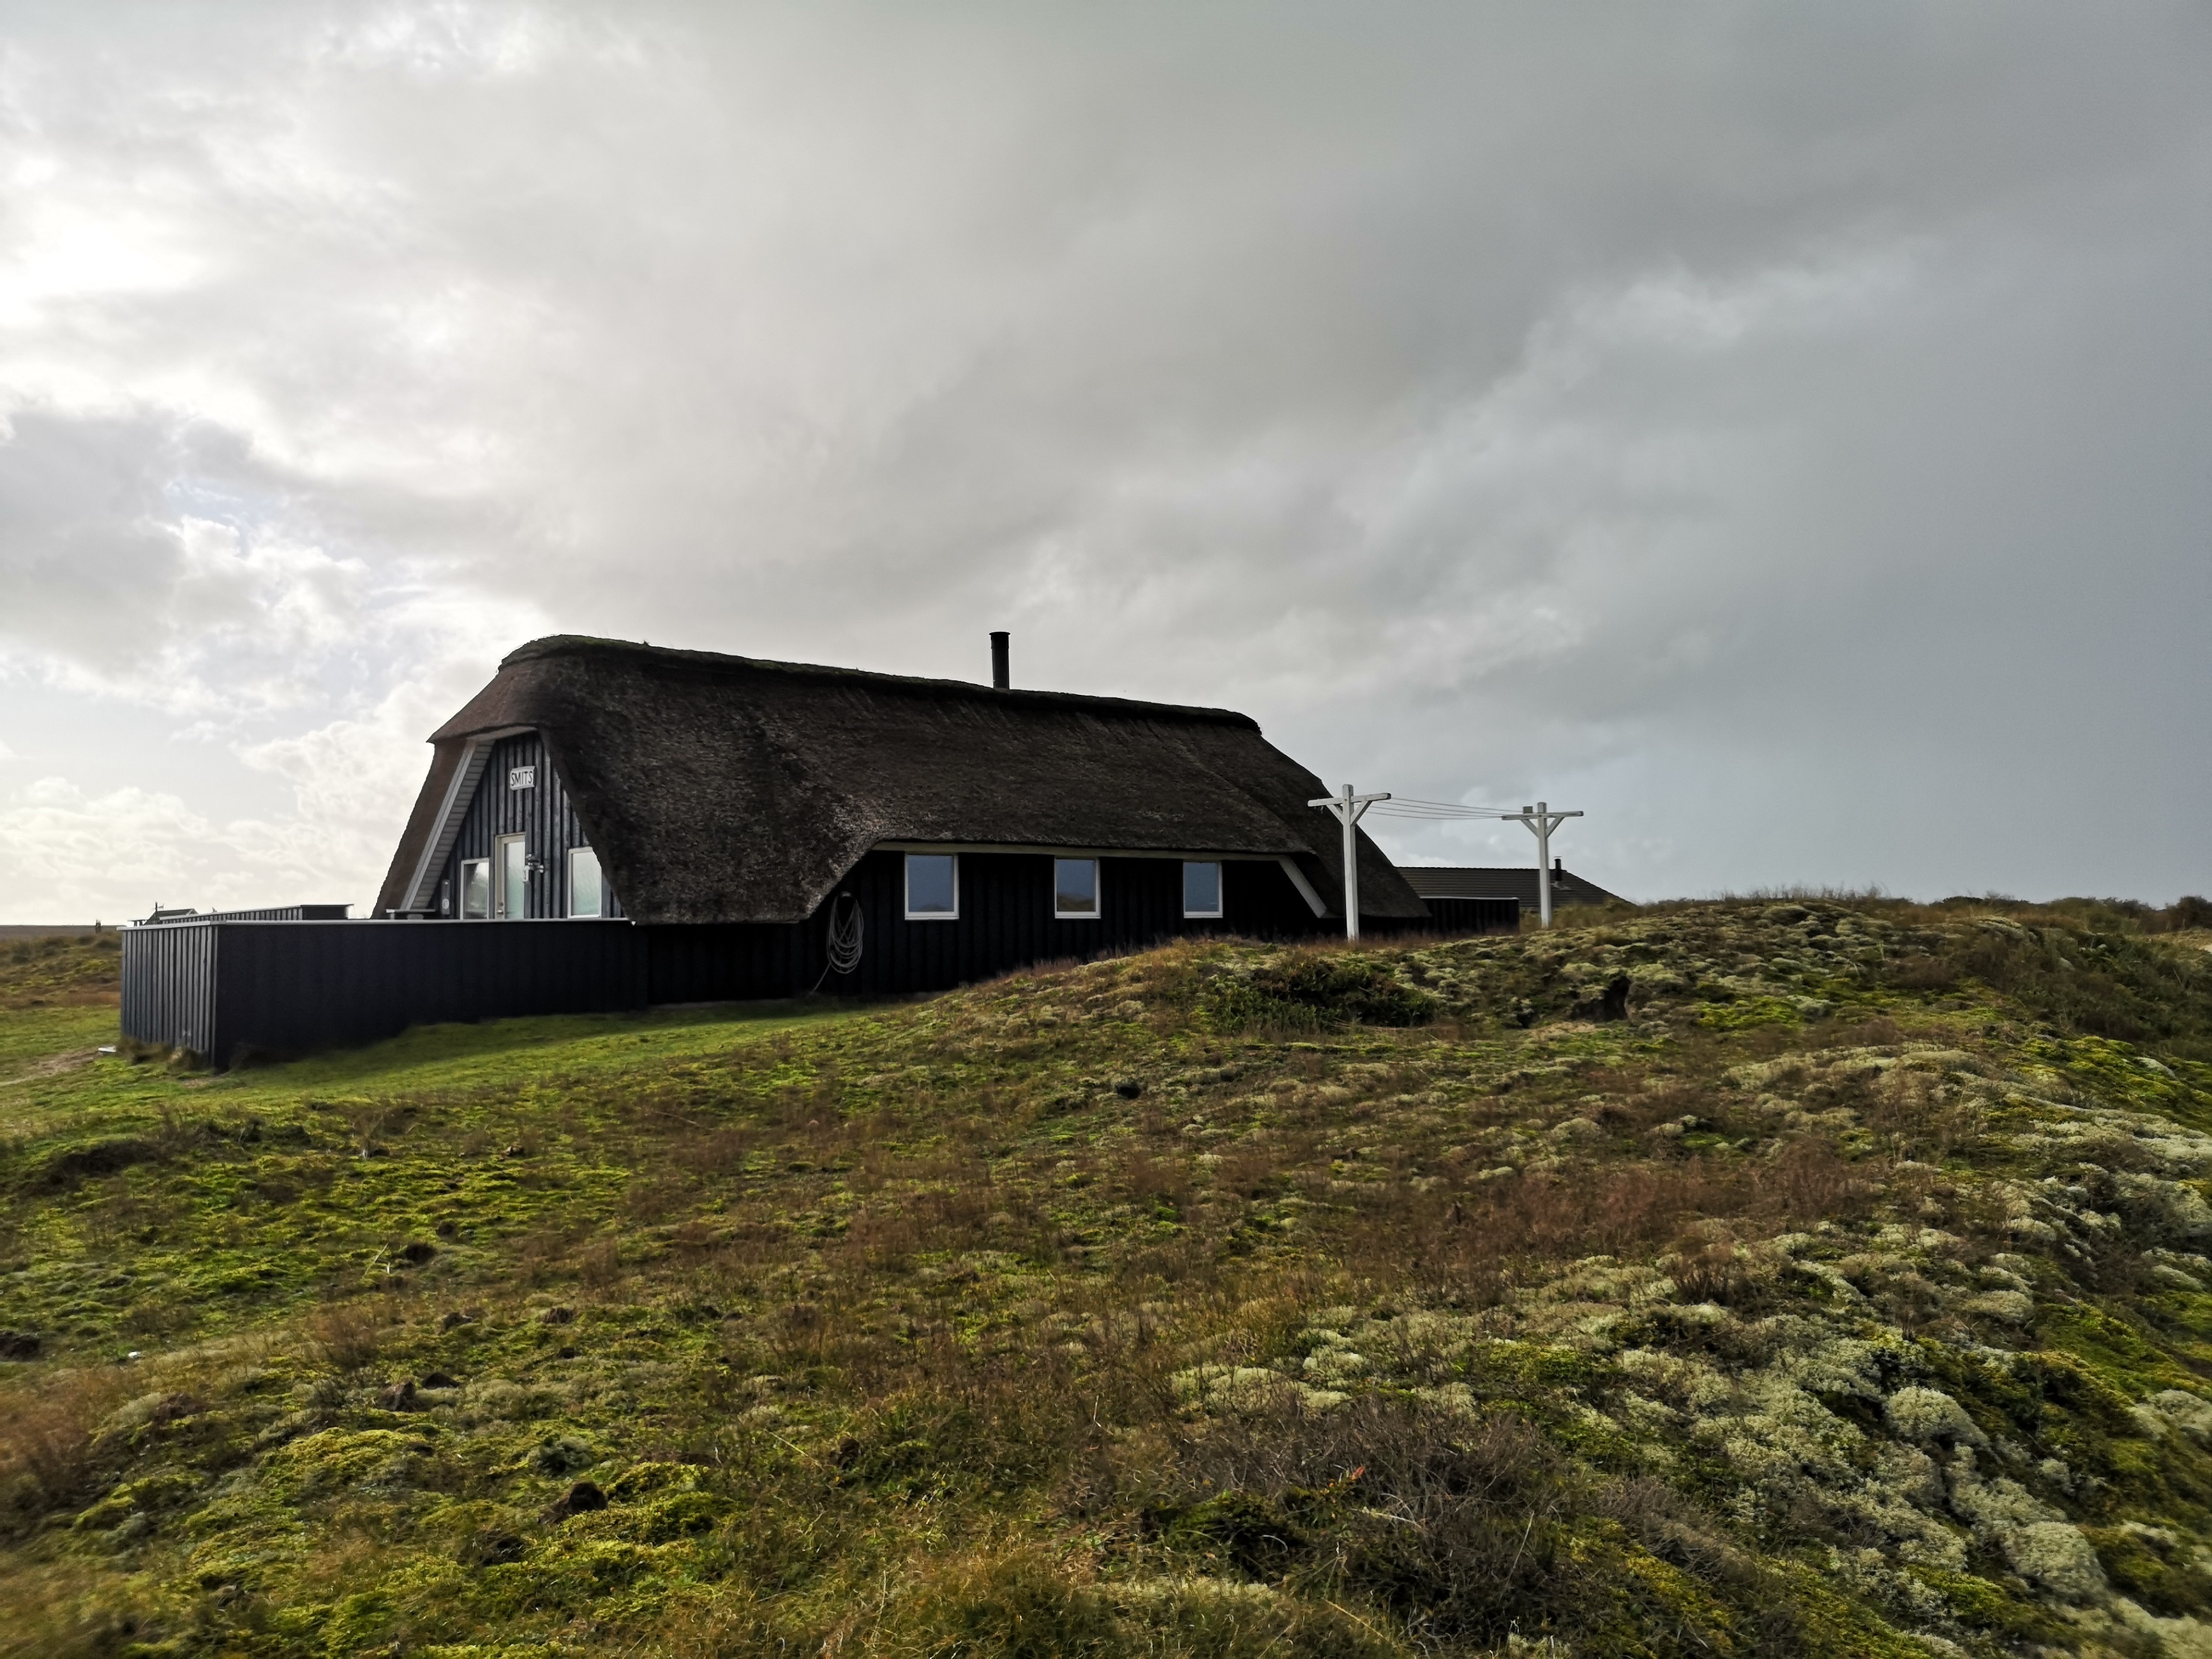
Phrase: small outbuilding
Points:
(1441, 883)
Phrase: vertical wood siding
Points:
(542, 815)
(731, 962)
(169, 985)
(1460, 916)
(1006, 920)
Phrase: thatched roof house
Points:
(609, 826)
(718, 789)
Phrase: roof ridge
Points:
(586, 645)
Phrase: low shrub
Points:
(1309, 991)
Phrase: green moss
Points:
(867, 1322)
(1240, 1532)
(1502, 1368)
(2120, 1072)
(1657, 1608)
(2156, 1568)
(1748, 1014)
(1306, 991)
(2126, 1361)
(1980, 1604)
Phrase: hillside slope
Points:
(1754, 1279)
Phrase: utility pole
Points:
(1348, 809)
(1542, 821)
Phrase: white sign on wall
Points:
(522, 777)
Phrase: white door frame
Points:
(502, 906)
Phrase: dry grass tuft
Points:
(349, 1335)
(49, 1433)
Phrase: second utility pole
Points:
(1542, 821)
(1348, 809)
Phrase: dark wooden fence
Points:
(227, 986)
(223, 988)
(168, 986)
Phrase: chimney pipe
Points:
(1001, 677)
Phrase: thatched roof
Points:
(727, 789)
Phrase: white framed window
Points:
(587, 898)
(933, 887)
(1075, 890)
(511, 878)
(476, 890)
(1201, 888)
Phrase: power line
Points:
(1400, 807)
(1348, 809)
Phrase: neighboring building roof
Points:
(1476, 881)
(722, 789)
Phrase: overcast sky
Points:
(1783, 432)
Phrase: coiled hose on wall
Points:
(846, 929)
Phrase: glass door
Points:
(514, 879)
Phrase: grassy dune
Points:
(1755, 1277)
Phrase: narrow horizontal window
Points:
(1075, 890)
(584, 895)
(1201, 888)
(933, 887)
(476, 890)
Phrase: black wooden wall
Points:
(1006, 922)
(1458, 916)
(542, 815)
(731, 962)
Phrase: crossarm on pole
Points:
(1541, 820)
(1347, 809)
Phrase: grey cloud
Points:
(1745, 417)
(149, 554)
(86, 550)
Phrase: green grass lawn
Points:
(568, 1045)
(1847, 1297)
(36, 1042)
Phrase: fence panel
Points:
(169, 985)
(284, 987)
